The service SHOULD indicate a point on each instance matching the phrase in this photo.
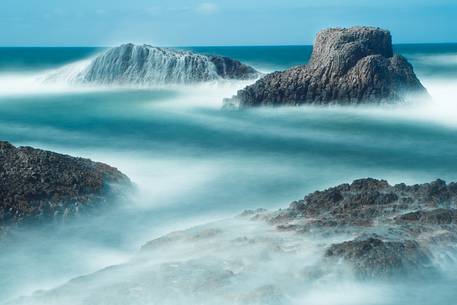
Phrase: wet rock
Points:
(229, 68)
(347, 66)
(393, 229)
(375, 258)
(367, 200)
(434, 217)
(38, 185)
(192, 235)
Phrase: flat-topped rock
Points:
(347, 66)
(38, 185)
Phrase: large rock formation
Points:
(354, 65)
(146, 65)
(38, 185)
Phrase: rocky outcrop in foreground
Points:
(347, 66)
(378, 230)
(38, 185)
(398, 229)
(330, 241)
(131, 64)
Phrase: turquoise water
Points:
(263, 57)
(193, 162)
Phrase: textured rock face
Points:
(374, 258)
(38, 185)
(232, 69)
(147, 65)
(366, 200)
(395, 229)
(354, 65)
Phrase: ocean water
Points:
(194, 163)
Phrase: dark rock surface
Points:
(393, 229)
(375, 258)
(229, 68)
(347, 66)
(38, 185)
(148, 65)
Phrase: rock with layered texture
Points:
(38, 185)
(347, 66)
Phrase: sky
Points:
(216, 22)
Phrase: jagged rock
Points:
(146, 65)
(374, 258)
(435, 217)
(395, 228)
(367, 200)
(347, 66)
(38, 185)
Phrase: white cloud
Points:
(207, 8)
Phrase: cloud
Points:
(207, 8)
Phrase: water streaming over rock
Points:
(147, 65)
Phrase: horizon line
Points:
(204, 46)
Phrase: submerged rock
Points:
(147, 65)
(38, 185)
(347, 66)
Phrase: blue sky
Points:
(216, 22)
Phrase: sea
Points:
(195, 163)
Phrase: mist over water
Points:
(194, 163)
